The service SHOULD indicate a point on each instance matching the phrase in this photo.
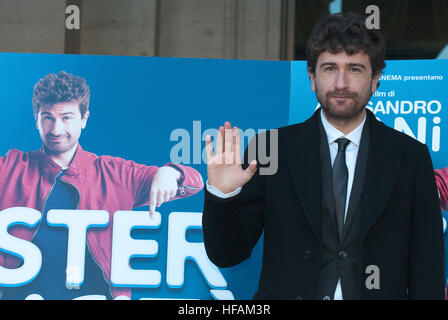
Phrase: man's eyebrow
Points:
(332, 64)
(62, 114)
(357, 65)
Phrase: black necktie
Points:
(340, 181)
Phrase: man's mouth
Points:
(341, 94)
(342, 97)
(55, 139)
(341, 100)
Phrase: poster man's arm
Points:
(155, 186)
(163, 187)
(2, 162)
(441, 176)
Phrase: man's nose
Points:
(341, 80)
(57, 128)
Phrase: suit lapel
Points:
(359, 176)
(326, 171)
(383, 161)
(382, 169)
(304, 165)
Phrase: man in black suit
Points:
(352, 211)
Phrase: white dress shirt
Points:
(351, 154)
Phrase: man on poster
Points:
(61, 175)
(352, 211)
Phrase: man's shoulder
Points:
(19, 155)
(402, 138)
(14, 153)
(293, 128)
(107, 160)
(285, 133)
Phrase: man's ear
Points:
(84, 119)
(312, 76)
(36, 117)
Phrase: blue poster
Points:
(155, 112)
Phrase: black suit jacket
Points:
(400, 222)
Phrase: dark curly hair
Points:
(62, 87)
(346, 32)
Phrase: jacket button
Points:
(342, 254)
(306, 254)
(181, 190)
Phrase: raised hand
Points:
(224, 166)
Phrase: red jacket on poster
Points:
(442, 185)
(103, 183)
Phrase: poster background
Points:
(137, 102)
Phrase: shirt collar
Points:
(332, 133)
(52, 168)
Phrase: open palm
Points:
(224, 165)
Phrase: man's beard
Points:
(349, 109)
(56, 148)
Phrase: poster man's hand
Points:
(163, 187)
